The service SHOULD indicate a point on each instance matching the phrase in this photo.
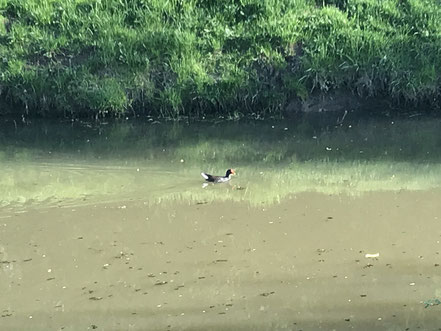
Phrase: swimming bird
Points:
(218, 179)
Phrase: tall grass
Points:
(202, 57)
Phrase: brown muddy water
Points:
(107, 228)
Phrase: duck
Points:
(218, 179)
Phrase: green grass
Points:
(202, 57)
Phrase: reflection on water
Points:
(75, 162)
(140, 245)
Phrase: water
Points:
(77, 163)
(107, 225)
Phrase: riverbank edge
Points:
(338, 101)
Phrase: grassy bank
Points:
(203, 57)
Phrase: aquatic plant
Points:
(202, 57)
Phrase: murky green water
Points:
(75, 162)
(327, 225)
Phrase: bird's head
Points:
(230, 172)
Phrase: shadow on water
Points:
(141, 245)
(127, 319)
(330, 153)
(312, 137)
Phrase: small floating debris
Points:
(95, 298)
(371, 256)
(265, 294)
(431, 302)
(6, 314)
(163, 282)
